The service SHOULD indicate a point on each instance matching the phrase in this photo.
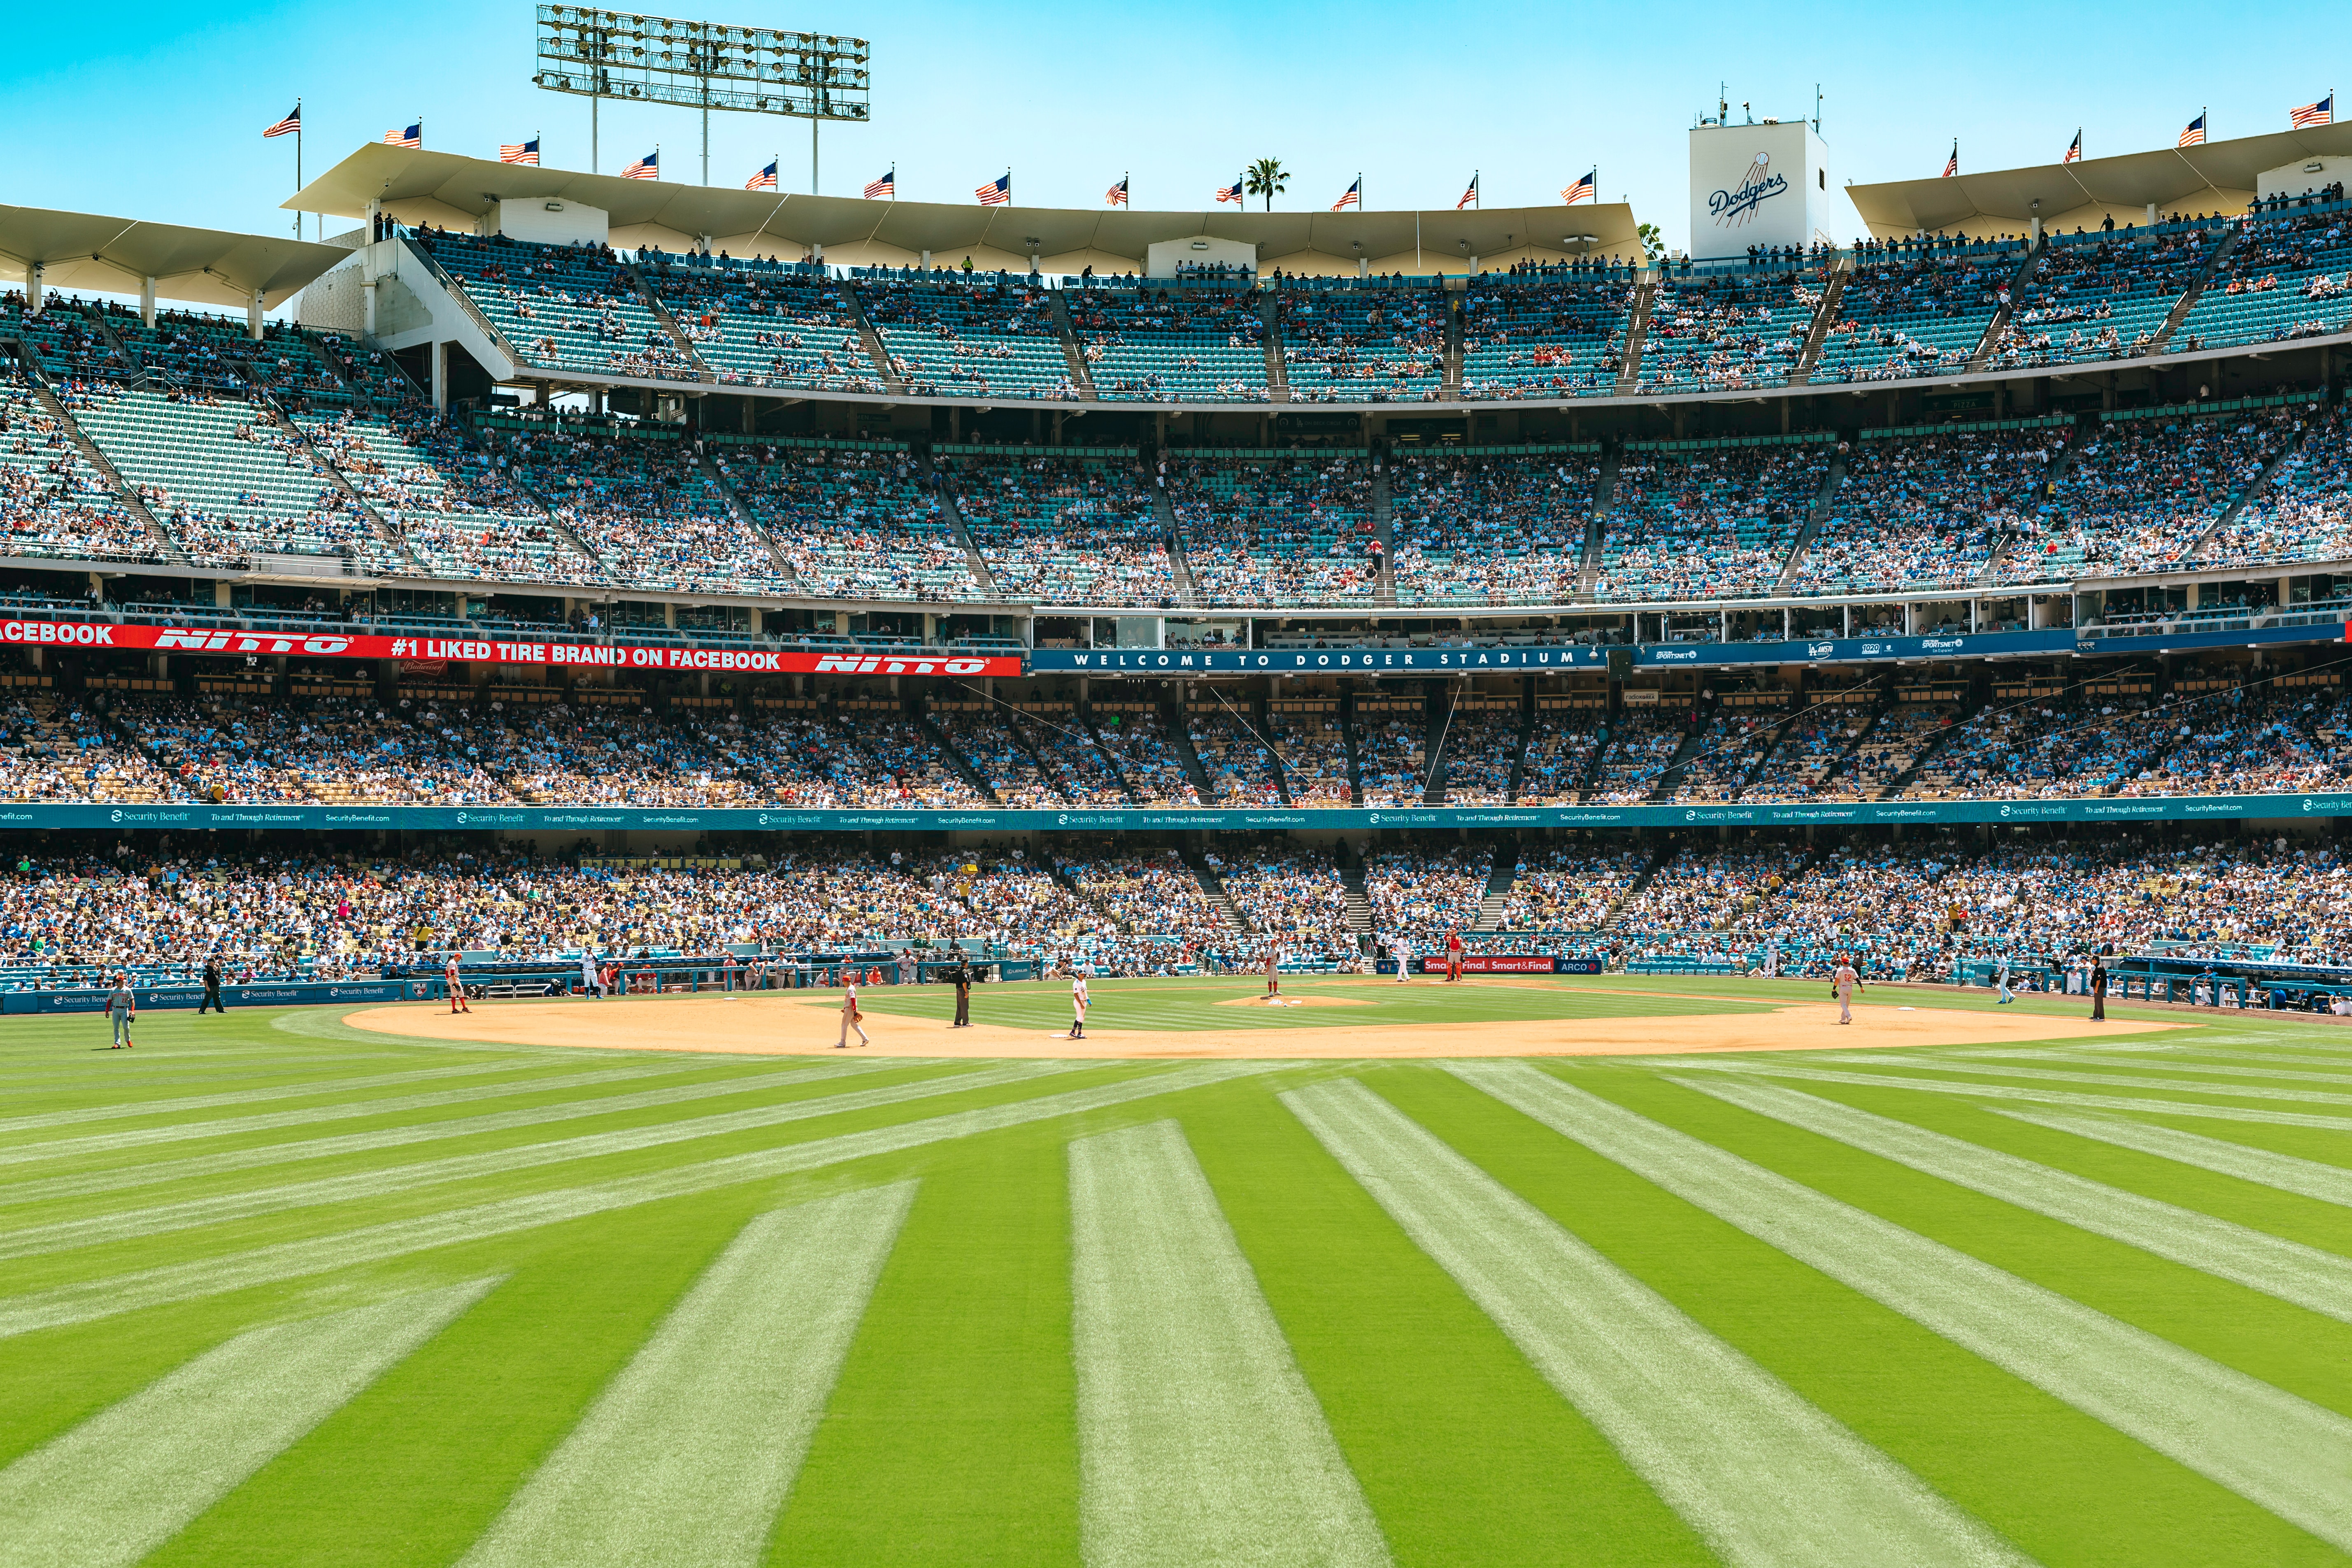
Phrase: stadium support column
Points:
(253, 315)
(34, 275)
(439, 354)
(147, 302)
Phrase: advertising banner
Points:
(286, 993)
(482, 650)
(1312, 661)
(1506, 963)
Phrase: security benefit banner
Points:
(491, 651)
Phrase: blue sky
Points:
(157, 114)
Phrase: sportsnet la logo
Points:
(1758, 185)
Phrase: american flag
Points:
(2320, 113)
(292, 124)
(519, 151)
(1952, 163)
(997, 192)
(887, 185)
(765, 179)
(1469, 195)
(1582, 190)
(645, 168)
(1231, 193)
(411, 137)
(2193, 133)
(1116, 195)
(2073, 149)
(1353, 196)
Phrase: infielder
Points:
(1273, 979)
(1403, 951)
(1845, 982)
(1453, 956)
(1077, 1006)
(851, 1018)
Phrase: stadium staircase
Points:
(1637, 327)
(921, 712)
(1278, 378)
(1824, 318)
(1384, 531)
(1525, 739)
(1360, 903)
(1670, 777)
(1261, 719)
(1450, 386)
(1658, 859)
(124, 491)
(2059, 465)
(2240, 501)
(742, 514)
(1998, 326)
(971, 555)
(1926, 753)
(1604, 488)
(1500, 877)
(1436, 737)
(1854, 742)
(880, 356)
(1081, 377)
(661, 313)
(1085, 714)
(377, 522)
(1179, 562)
(1348, 739)
(1815, 515)
(2187, 300)
(1213, 887)
(1180, 734)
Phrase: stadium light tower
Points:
(598, 55)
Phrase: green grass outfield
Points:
(274, 1290)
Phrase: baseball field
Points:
(1605, 1270)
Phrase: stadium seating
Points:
(763, 323)
(1362, 345)
(1290, 893)
(1273, 527)
(562, 306)
(1482, 746)
(1158, 344)
(1136, 738)
(1544, 335)
(1920, 510)
(1642, 742)
(1707, 519)
(1425, 892)
(1066, 525)
(855, 519)
(1726, 332)
(2290, 277)
(1560, 753)
(1569, 887)
(1238, 753)
(1723, 753)
(2141, 493)
(992, 339)
(1915, 308)
(2304, 512)
(1307, 736)
(52, 501)
(639, 499)
(1491, 525)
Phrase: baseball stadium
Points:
(696, 875)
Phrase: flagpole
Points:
(298, 173)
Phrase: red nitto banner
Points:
(1492, 963)
(619, 656)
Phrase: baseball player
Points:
(1453, 956)
(2000, 978)
(1077, 1006)
(851, 1018)
(457, 1002)
(1845, 982)
(1273, 979)
(1403, 951)
(122, 1008)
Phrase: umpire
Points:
(212, 989)
(962, 975)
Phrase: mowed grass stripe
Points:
(360, 1185)
(1199, 1441)
(2280, 1452)
(2104, 1063)
(2147, 1056)
(2098, 1078)
(88, 1301)
(116, 1487)
(954, 1418)
(1751, 1065)
(2285, 1172)
(275, 1121)
(1764, 1476)
(2305, 1276)
(198, 1167)
(685, 1460)
(184, 1104)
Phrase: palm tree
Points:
(1266, 178)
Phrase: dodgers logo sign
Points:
(1734, 207)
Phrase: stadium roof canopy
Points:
(196, 265)
(446, 189)
(2220, 176)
